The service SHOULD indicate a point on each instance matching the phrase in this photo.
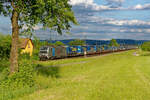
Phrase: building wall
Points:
(28, 49)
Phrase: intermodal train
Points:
(59, 52)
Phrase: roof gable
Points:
(23, 42)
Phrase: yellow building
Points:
(26, 46)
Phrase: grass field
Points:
(120, 76)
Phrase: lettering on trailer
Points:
(74, 49)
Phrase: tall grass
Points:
(121, 76)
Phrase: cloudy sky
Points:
(102, 20)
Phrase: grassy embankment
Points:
(113, 77)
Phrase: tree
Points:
(113, 43)
(26, 14)
(59, 43)
(77, 42)
(146, 46)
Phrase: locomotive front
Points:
(44, 53)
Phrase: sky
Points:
(101, 20)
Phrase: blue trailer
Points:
(75, 51)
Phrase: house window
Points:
(28, 45)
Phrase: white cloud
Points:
(128, 22)
(37, 27)
(147, 30)
(134, 30)
(103, 7)
(90, 5)
(140, 7)
(77, 2)
(115, 1)
(112, 5)
(102, 20)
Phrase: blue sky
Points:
(102, 20)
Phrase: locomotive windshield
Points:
(44, 48)
(43, 51)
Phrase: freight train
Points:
(59, 52)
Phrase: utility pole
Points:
(50, 38)
(84, 37)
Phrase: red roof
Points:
(24, 42)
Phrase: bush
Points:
(3, 64)
(146, 46)
(35, 55)
(59, 43)
(22, 78)
(24, 56)
(5, 46)
(4, 74)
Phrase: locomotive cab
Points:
(45, 52)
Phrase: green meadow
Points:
(118, 76)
